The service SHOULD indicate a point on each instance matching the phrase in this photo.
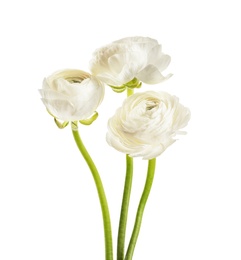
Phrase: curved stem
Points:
(125, 201)
(124, 208)
(141, 207)
(101, 193)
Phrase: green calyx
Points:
(135, 83)
(60, 125)
(74, 124)
(90, 120)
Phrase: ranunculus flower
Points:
(134, 57)
(146, 124)
(72, 95)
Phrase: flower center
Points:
(150, 104)
(74, 79)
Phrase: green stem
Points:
(140, 211)
(125, 201)
(130, 92)
(101, 193)
(124, 208)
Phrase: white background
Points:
(48, 203)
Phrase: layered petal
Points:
(72, 95)
(120, 62)
(146, 124)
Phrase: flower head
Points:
(72, 95)
(130, 58)
(146, 124)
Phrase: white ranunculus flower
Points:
(72, 95)
(146, 124)
(134, 57)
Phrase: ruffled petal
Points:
(157, 58)
(52, 94)
(61, 109)
(128, 58)
(151, 75)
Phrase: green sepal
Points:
(90, 120)
(135, 83)
(61, 125)
(119, 89)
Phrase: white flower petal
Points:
(61, 109)
(51, 94)
(157, 58)
(150, 75)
